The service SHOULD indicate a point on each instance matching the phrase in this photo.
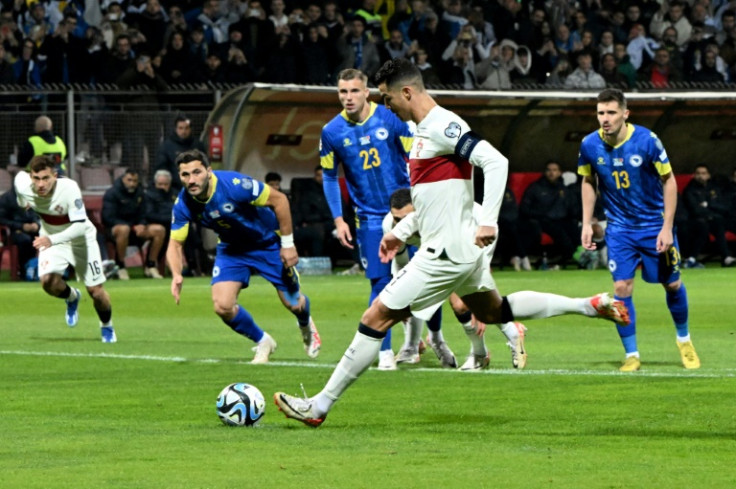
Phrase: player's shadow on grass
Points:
(644, 364)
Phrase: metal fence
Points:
(109, 129)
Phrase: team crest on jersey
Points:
(636, 160)
(228, 207)
(246, 184)
(363, 140)
(453, 130)
(382, 133)
(78, 203)
(346, 142)
(420, 146)
(59, 209)
(215, 214)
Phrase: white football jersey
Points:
(59, 210)
(442, 186)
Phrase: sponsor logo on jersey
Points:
(236, 181)
(382, 133)
(618, 162)
(636, 160)
(453, 130)
(59, 209)
(363, 140)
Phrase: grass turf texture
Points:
(77, 413)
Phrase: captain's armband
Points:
(467, 144)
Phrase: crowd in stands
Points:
(486, 44)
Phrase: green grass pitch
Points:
(139, 414)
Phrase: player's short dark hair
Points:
(192, 155)
(41, 162)
(612, 95)
(399, 71)
(272, 176)
(400, 198)
(352, 74)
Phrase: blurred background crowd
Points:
(484, 44)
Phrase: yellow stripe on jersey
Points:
(213, 184)
(629, 133)
(663, 168)
(584, 170)
(406, 142)
(261, 200)
(180, 234)
(327, 161)
(344, 114)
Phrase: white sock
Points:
(415, 328)
(436, 336)
(509, 331)
(534, 305)
(356, 360)
(72, 295)
(633, 354)
(106, 325)
(683, 339)
(477, 343)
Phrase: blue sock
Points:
(303, 317)
(628, 333)
(677, 303)
(243, 324)
(435, 322)
(377, 285)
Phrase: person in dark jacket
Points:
(706, 202)
(512, 240)
(178, 141)
(546, 206)
(313, 223)
(124, 218)
(23, 225)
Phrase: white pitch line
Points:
(725, 373)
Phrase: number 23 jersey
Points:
(628, 176)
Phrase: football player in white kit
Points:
(66, 238)
(451, 257)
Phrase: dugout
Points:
(277, 127)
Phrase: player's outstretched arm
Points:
(174, 259)
(389, 246)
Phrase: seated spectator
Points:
(356, 50)
(394, 47)
(494, 72)
(313, 223)
(429, 73)
(708, 72)
(624, 64)
(610, 73)
(23, 225)
(512, 240)
(661, 72)
(584, 76)
(180, 140)
(706, 202)
(124, 218)
(673, 16)
(273, 180)
(546, 206)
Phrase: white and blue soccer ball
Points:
(240, 404)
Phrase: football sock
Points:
(436, 336)
(104, 316)
(477, 344)
(435, 322)
(534, 305)
(509, 330)
(67, 293)
(150, 264)
(303, 316)
(356, 360)
(377, 285)
(244, 324)
(412, 332)
(677, 304)
(628, 333)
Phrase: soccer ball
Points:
(240, 404)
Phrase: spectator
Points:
(315, 58)
(7, 75)
(429, 73)
(113, 24)
(611, 74)
(706, 202)
(640, 47)
(281, 62)
(559, 73)
(512, 240)
(661, 73)
(61, 50)
(279, 18)
(23, 225)
(159, 200)
(177, 23)
(669, 41)
(672, 15)
(124, 218)
(584, 76)
(372, 22)
(273, 180)
(35, 21)
(605, 46)
(708, 73)
(152, 24)
(494, 71)
(728, 22)
(198, 47)
(11, 37)
(355, 50)
(214, 72)
(394, 47)
(624, 64)
(119, 60)
(214, 24)
(461, 72)
(258, 37)
(26, 69)
(565, 42)
(432, 39)
(522, 73)
(546, 206)
(180, 140)
(43, 142)
(177, 65)
(313, 223)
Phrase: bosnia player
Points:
(238, 209)
(639, 194)
(67, 237)
(371, 144)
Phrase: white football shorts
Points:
(82, 254)
(424, 283)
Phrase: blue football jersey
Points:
(235, 211)
(628, 176)
(373, 156)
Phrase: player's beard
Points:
(204, 189)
